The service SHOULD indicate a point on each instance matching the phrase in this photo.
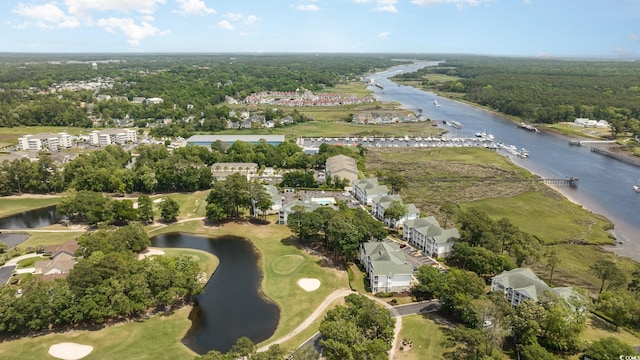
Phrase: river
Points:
(605, 185)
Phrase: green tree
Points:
(552, 259)
(448, 209)
(608, 270)
(361, 329)
(609, 348)
(534, 351)
(145, 208)
(122, 211)
(169, 209)
(395, 212)
(618, 306)
(430, 282)
(396, 181)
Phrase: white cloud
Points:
(384, 35)
(457, 3)
(85, 7)
(234, 16)
(48, 16)
(307, 7)
(224, 24)
(634, 37)
(381, 5)
(134, 32)
(194, 7)
(250, 20)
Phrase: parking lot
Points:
(415, 257)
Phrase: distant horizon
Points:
(505, 28)
(141, 54)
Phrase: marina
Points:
(605, 182)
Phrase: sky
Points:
(532, 28)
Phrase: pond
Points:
(31, 219)
(232, 305)
(27, 220)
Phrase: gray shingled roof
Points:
(386, 258)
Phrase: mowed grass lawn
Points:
(427, 337)
(16, 205)
(156, 338)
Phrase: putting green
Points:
(286, 264)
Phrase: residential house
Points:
(365, 190)
(521, 284)
(386, 267)
(380, 204)
(427, 235)
(221, 170)
(62, 259)
(343, 167)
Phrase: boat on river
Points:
(636, 187)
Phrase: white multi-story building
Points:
(386, 267)
(380, 204)
(427, 235)
(365, 190)
(45, 141)
(521, 284)
(112, 136)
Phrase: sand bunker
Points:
(150, 252)
(70, 351)
(309, 284)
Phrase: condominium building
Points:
(112, 136)
(44, 141)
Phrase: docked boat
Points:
(455, 124)
(379, 86)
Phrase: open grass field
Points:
(192, 205)
(427, 337)
(11, 135)
(357, 88)
(156, 338)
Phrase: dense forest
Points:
(543, 90)
(188, 84)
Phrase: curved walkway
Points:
(325, 303)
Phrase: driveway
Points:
(5, 273)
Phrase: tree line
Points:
(155, 168)
(544, 90)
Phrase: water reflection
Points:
(231, 305)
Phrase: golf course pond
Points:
(232, 305)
